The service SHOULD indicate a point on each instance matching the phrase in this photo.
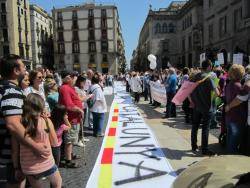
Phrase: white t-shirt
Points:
(100, 105)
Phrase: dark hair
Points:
(96, 78)
(33, 105)
(185, 71)
(57, 115)
(205, 64)
(8, 64)
(20, 79)
(79, 80)
(32, 76)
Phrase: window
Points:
(5, 35)
(165, 28)
(21, 51)
(91, 13)
(183, 25)
(104, 46)
(191, 20)
(104, 34)
(104, 58)
(210, 31)
(157, 28)
(103, 13)
(4, 20)
(59, 16)
(61, 48)
(92, 47)
(92, 58)
(74, 14)
(75, 47)
(165, 46)
(223, 25)
(171, 28)
(60, 36)
(3, 7)
(237, 19)
(75, 24)
(92, 34)
(60, 24)
(183, 44)
(190, 42)
(6, 50)
(21, 10)
(91, 23)
(104, 23)
(247, 8)
(210, 3)
(75, 36)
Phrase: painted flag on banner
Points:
(186, 89)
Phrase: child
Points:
(62, 124)
(37, 128)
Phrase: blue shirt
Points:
(171, 83)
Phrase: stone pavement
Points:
(174, 135)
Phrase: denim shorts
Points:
(45, 174)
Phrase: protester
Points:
(136, 86)
(35, 168)
(69, 98)
(61, 123)
(235, 118)
(51, 93)
(23, 81)
(99, 106)
(202, 99)
(11, 128)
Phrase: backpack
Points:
(91, 102)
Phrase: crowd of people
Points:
(42, 116)
(220, 100)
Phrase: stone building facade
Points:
(88, 36)
(15, 33)
(201, 26)
(42, 37)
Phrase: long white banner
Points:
(130, 156)
(158, 92)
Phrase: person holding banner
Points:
(170, 84)
(202, 99)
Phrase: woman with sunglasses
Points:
(51, 93)
(37, 86)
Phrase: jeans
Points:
(145, 93)
(137, 96)
(197, 116)
(98, 123)
(234, 134)
(170, 107)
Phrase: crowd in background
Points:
(42, 117)
(221, 100)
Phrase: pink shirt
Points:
(31, 164)
(59, 133)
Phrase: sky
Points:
(132, 15)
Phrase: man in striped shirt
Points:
(11, 128)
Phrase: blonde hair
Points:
(236, 72)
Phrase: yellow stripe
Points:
(115, 113)
(113, 124)
(105, 178)
(110, 142)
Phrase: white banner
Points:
(130, 156)
(238, 59)
(158, 92)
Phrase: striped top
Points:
(32, 164)
(11, 102)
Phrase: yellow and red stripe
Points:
(105, 178)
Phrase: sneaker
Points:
(100, 135)
(85, 139)
(80, 144)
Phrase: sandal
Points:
(71, 165)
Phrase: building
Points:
(88, 36)
(226, 28)
(42, 37)
(15, 30)
(159, 37)
(190, 34)
(199, 26)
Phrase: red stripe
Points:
(116, 110)
(112, 131)
(115, 118)
(107, 156)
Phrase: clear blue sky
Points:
(132, 15)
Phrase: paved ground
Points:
(174, 137)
